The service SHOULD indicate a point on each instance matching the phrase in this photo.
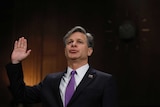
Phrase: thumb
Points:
(28, 52)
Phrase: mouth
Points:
(73, 51)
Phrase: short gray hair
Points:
(90, 39)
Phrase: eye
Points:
(69, 42)
(80, 41)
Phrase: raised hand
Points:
(20, 51)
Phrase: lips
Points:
(73, 51)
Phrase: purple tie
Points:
(70, 88)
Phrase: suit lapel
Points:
(55, 86)
(87, 79)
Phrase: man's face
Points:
(77, 47)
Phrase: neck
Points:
(76, 64)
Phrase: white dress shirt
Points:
(80, 72)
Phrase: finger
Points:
(15, 44)
(25, 44)
(23, 40)
(19, 43)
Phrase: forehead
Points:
(77, 35)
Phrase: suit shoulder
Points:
(53, 75)
(102, 73)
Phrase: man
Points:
(92, 88)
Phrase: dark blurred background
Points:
(126, 36)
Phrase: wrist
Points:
(15, 62)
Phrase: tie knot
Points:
(73, 72)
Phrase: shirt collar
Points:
(80, 71)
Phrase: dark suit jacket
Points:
(97, 89)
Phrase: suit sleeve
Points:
(21, 92)
(110, 93)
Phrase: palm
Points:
(20, 51)
(19, 54)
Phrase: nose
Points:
(73, 44)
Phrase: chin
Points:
(73, 58)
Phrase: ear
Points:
(90, 51)
(65, 51)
